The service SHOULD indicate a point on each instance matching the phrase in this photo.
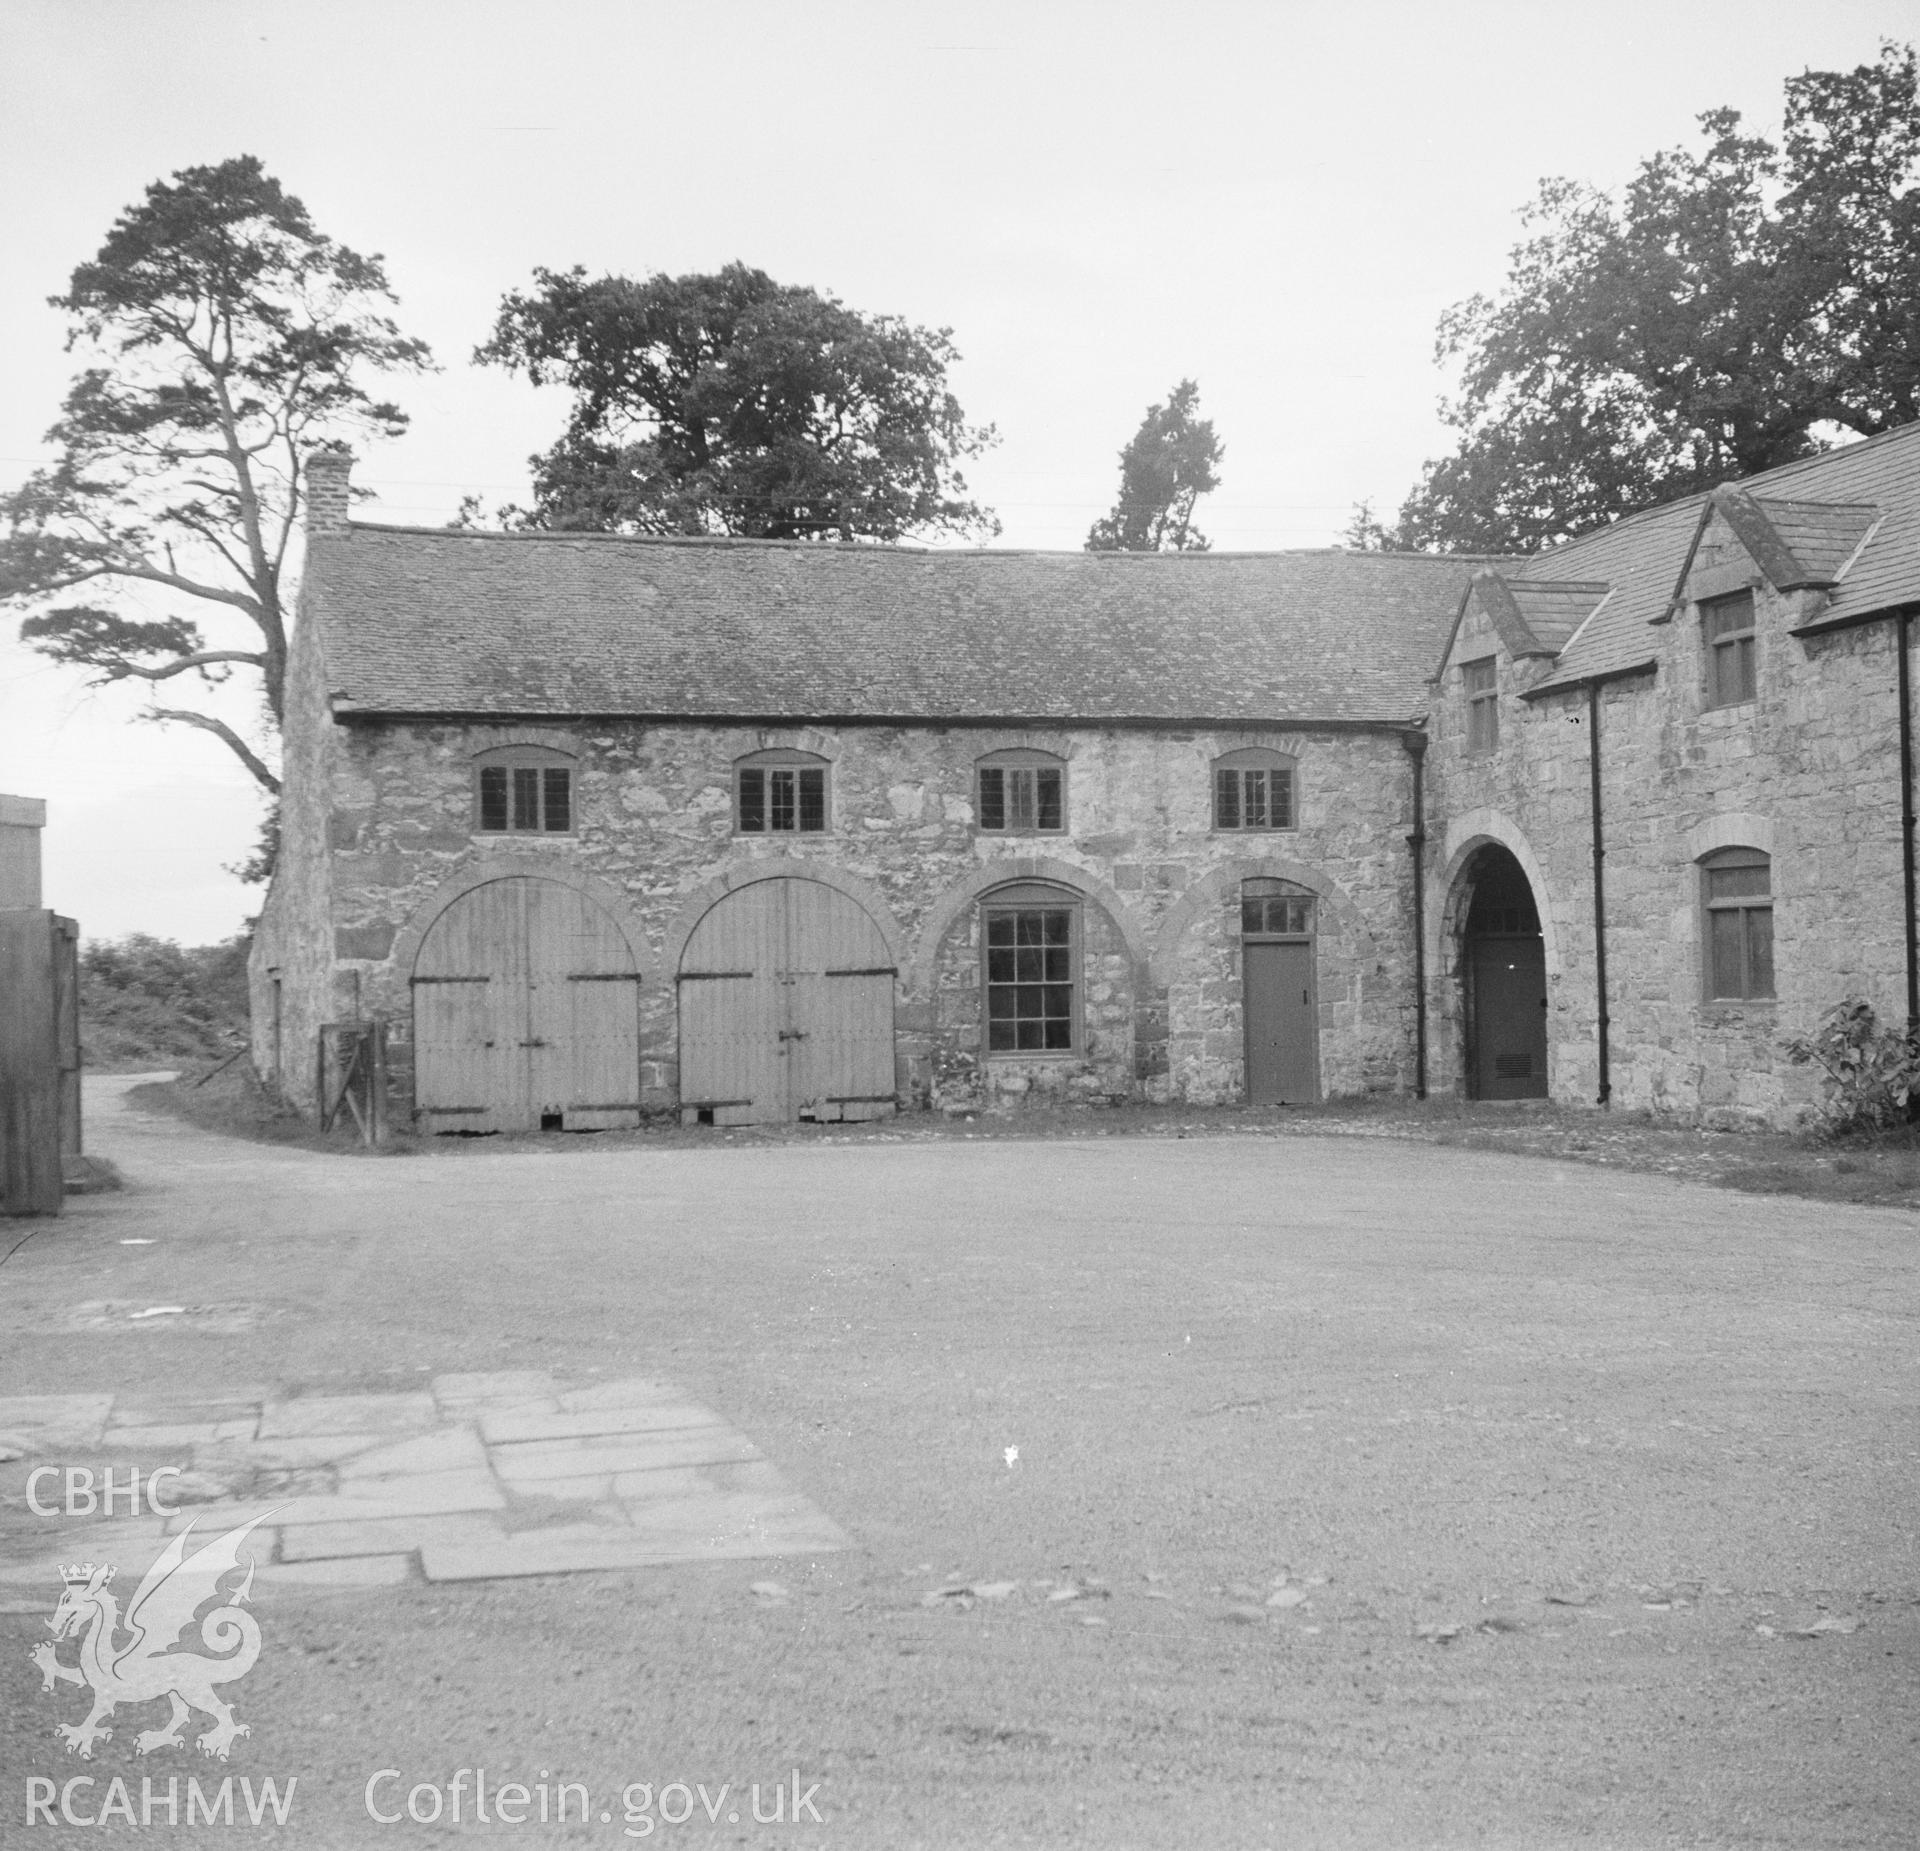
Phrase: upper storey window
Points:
(1253, 789)
(1021, 793)
(523, 790)
(780, 793)
(1727, 625)
(1479, 682)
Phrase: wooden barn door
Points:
(526, 1014)
(786, 1009)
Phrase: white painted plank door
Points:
(469, 1015)
(583, 1010)
(733, 1051)
(840, 980)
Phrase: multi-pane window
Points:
(1267, 910)
(1031, 950)
(1021, 793)
(1253, 789)
(1727, 624)
(523, 790)
(780, 793)
(1480, 683)
(1737, 891)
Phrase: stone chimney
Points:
(328, 472)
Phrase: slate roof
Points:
(1820, 510)
(432, 621)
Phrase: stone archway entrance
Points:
(1503, 978)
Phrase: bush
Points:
(1873, 1072)
(146, 1002)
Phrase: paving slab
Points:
(42, 1421)
(305, 1542)
(311, 1414)
(531, 1460)
(693, 1528)
(589, 1488)
(129, 1544)
(654, 1417)
(759, 1476)
(428, 1496)
(458, 1392)
(629, 1392)
(606, 1553)
(343, 1572)
(183, 1438)
(449, 1449)
(187, 1411)
(290, 1455)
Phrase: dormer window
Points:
(1253, 789)
(780, 793)
(1727, 626)
(523, 790)
(1021, 793)
(1479, 682)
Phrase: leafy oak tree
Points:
(732, 404)
(230, 336)
(1172, 460)
(1739, 306)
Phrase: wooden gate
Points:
(39, 1059)
(786, 1009)
(526, 1014)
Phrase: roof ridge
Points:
(893, 548)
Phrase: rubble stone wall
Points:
(1157, 886)
(1808, 772)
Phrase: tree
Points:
(1739, 307)
(1170, 463)
(232, 336)
(732, 404)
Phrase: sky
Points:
(1276, 200)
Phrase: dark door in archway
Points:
(1504, 971)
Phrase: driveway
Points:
(1292, 1491)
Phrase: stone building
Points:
(1713, 696)
(751, 831)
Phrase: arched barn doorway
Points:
(786, 1009)
(526, 1013)
(1503, 974)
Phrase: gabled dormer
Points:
(1506, 636)
(1758, 566)
(1744, 542)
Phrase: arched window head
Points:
(1736, 899)
(780, 792)
(1021, 792)
(523, 790)
(1253, 789)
